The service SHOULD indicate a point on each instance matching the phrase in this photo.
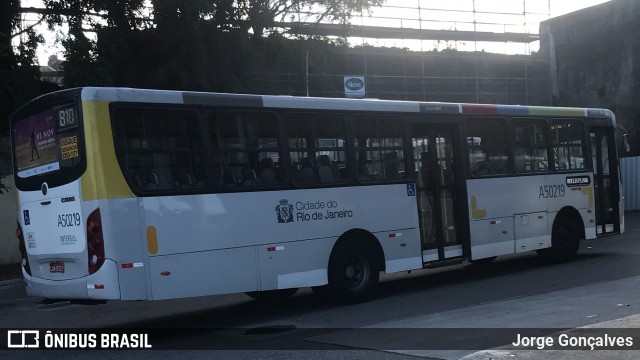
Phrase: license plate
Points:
(56, 267)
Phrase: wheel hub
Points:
(355, 272)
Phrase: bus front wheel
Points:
(565, 242)
(353, 272)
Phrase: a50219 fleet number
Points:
(66, 220)
(551, 191)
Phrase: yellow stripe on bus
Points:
(476, 212)
(152, 240)
(586, 190)
(103, 178)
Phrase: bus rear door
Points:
(605, 179)
(437, 156)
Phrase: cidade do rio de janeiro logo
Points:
(284, 211)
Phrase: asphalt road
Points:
(602, 284)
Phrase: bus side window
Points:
(155, 143)
(487, 146)
(379, 148)
(317, 145)
(241, 141)
(530, 145)
(567, 140)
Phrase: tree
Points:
(82, 65)
(263, 14)
(19, 75)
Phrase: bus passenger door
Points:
(436, 156)
(605, 180)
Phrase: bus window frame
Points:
(510, 158)
(548, 147)
(599, 122)
(40, 104)
(406, 153)
(209, 147)
(116, 107)
(348, 148)
(584, 124)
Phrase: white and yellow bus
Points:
(136, 194)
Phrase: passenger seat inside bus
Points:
(248, 176)
(391, 165)
(363, 172)
(268, 172)
(482, 168)
(306, 174)
(325, 170)
(228, 179)
(151, 181)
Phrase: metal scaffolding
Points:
(447, 28)
(456, 21)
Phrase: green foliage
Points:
(263, 14)
(82, 65)
(18, 72)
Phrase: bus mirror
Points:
(625, 137)
(627, 146)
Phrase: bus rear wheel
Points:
(353, 272)
(565, 242)
(272, 295)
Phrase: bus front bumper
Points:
(102, 285)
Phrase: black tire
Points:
(353, 272)
(272, 295)
(565, 241)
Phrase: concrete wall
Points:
(9, 253)
(595, 57)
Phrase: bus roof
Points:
(316, 103)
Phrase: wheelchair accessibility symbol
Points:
(411, 189)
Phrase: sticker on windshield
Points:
(69, 147)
